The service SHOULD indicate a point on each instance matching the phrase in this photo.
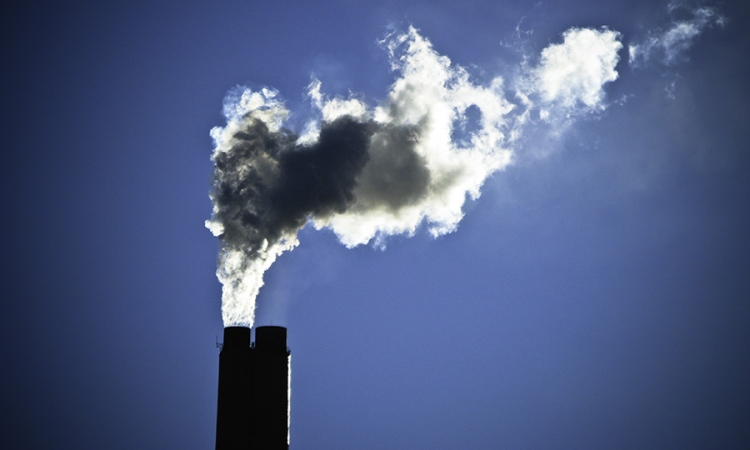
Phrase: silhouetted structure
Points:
(253, 406)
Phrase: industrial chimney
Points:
(254, 382)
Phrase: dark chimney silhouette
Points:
(253, 405)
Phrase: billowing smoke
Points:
(369, 172)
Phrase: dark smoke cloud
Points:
(397, 176)
(267, 186)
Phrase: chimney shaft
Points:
(253, 403)
(233, 417)
(272, 387)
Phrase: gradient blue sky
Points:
(596, 295)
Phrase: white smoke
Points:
(369, 172)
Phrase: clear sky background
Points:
(596, 295)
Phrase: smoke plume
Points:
(369, 172)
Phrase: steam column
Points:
(271, 388)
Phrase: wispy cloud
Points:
(669, 46)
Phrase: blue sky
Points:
(596, 295)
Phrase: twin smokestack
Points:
(254, 390)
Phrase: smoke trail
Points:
(371, 172)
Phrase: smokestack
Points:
(254, 382)
(271, 388)
(233, 418)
